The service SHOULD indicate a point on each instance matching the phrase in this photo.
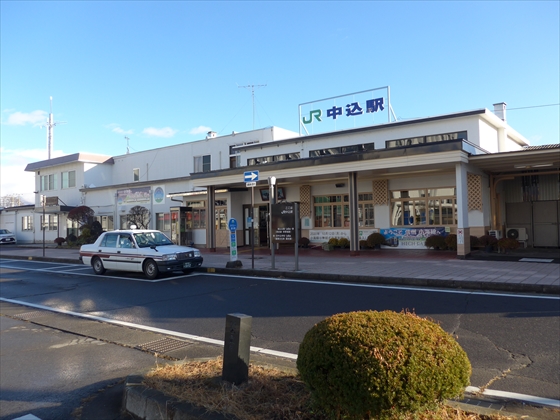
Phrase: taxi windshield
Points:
(148, 239)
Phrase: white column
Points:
(463, 231)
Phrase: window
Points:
(198, 214)
(334, 211)
(426, 139)
(136, 174)
(72, 227)
(275, 158)
(202, 163)
(49, 182)
(163, 221)
(49, 222)
(105, 221)
(27, 223)
(109, 241)
(68, 179)
(435, 206)
(343, 149)
(221, 214)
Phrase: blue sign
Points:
(251, 176)
(232, 225)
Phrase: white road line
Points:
(514, 396)
(470, 389)
(396, 287)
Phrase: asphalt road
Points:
(513, 341)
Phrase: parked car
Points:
(139, 250)
(7, 237)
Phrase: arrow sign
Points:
(251, 176)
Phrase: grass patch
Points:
(270, 394)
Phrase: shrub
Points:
(508, 243)
(343, 243)
(363, 244)
(304, 242)
(374, 239)
(474, 241)
(377, 364)
(487, 240)
(451, 241)
(436, 242)
(71, 238)
(59, 241)
(333, 242)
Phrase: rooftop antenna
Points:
(253, 97)
(127, 148)
(50, 131)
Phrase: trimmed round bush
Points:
(451, 241)
(377, 364)
(343, 243)
(436, 242)
(333, 241)
(375, 238)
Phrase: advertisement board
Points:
(134, 196)
(406, 238)
(283, 219)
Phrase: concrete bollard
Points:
(237, 348)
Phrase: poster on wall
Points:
(133, 196)
(406, 238)
(159, 195)
(324, 235)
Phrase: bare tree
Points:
(139, 216)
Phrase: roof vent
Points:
(500, 110)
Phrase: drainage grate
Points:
(31, 315)
(164, 345)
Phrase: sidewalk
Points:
(526, 272)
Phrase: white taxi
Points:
(139, 250)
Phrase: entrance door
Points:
(546, 218)
(263, 226)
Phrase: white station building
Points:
(467, 173)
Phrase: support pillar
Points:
(353, 198)
(211, 220)
(463, 230)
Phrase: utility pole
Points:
(252, 97)
(50, 132)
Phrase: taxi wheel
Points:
(151, 270)
(97, 265)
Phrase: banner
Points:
(134, 196)
(406, 238)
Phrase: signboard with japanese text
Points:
(283, 219)
(324, 235)
(407, 238)
(353, 110)
(51, 201)
(134, 196)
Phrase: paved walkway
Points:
(532, 271)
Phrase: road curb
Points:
(400, 281)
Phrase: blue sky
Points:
(164, 73)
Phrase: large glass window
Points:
(163, 221)
(198, 213)
(436, 206)
(331, 211)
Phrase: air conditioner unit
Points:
(495, 233)
(517, 233)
